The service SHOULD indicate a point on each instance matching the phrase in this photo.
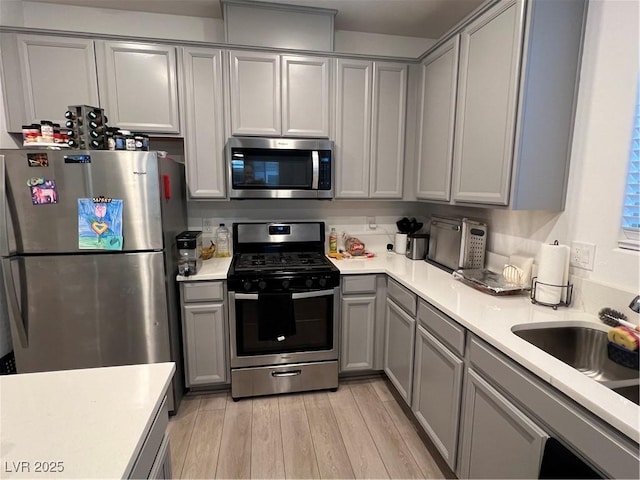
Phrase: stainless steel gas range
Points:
(283, 310)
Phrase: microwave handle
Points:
(315, 168)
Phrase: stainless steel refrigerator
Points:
(87, 240)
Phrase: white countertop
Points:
(91, 422)
(212, 269)
(490, 318)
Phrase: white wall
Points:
(28, 14)
(112, 22)
(379, 44)
(602, 139)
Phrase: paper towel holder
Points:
(568, 287)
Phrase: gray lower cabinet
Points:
(499, 440)
(437, 378)
(500, 395)
(362, 315)
(399, 338)
(204, 334)
(161, 468)
(154, 458)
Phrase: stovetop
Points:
(291, 261)
(276, 257)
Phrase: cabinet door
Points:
(389, 106)
(498, 440)
(305, 96)
(487, 99)
(205, 344)
(437, 388)
(255, 93)
(161, 468)
(56, 72)
(399, 338)
(353, 128)
(204, 117)
(437, 122)
(358, 329)
(138, 86)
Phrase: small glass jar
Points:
(130, 142)
(46, 131)
(30, 133)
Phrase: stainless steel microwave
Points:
(279, 168)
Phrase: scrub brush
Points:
(613, 318)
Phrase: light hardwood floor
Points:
(360, 431)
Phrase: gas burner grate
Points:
(270, 261)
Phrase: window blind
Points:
(631, 203)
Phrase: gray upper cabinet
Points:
(204, 133)
(279, 95)
(255, 93)
(513, 91)
(305, 96)
(487, 98)
(138, 86)
(43, 75)
(437, 121)
(388, 113)
(353, 127)
(370, 128)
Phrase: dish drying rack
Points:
(568, 288)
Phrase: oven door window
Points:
(313, 317)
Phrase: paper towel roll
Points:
(553, 269)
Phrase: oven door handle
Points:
(245, 296)
(317, 293)
(294, 296)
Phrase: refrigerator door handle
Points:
(4, 228)
(12, 301)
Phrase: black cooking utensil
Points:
(403, 225)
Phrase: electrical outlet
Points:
(582, 255)
(207, 225)
(371, 223)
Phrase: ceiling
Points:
(412, 18)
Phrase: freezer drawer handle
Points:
(288, 373)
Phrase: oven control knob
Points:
(262, 284)
(285, 284)
(308, 282)
(247, 285)
(322, 282)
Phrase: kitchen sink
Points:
(631, 393)
(584, 348)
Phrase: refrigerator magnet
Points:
(38, 159)
(99, 224)
(43, 191)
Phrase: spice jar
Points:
(46, 131)
(30, 133)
